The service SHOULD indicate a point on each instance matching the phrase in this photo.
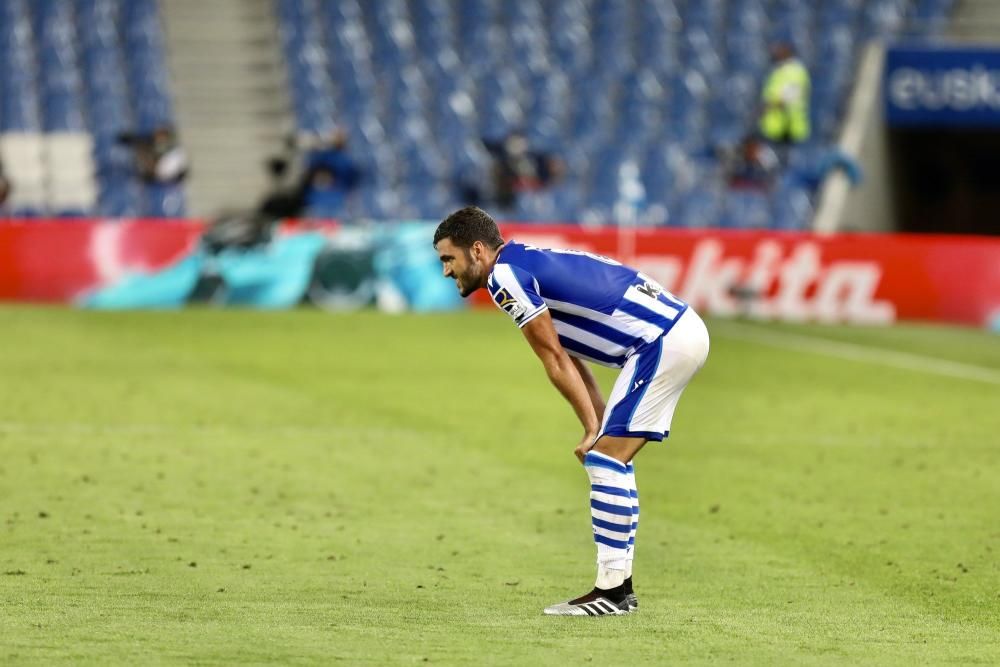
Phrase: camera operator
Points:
(320, 187)
(283, 198)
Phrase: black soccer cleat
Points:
(598, 602)
(630, 598)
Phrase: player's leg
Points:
(619, 442)
(622, 436)
(611, 519)
(614, 557)
(610, 497)
(685, 350)
(646, 413)
(640, 408)
(622, 448)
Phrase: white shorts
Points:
(646, 392)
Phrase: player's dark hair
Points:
(468, 225)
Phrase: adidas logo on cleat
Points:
(602, 607)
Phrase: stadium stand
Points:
(603, 83)
(74, 76)
(418, 84)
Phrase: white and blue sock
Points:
(634, 493)
(611, 516)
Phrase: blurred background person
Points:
(752, 165)
(159, 157)
(515, 171)
(311, 179)
(785, 98)
(4, 188)
(284, 196)
(286, 180)
(331, 174)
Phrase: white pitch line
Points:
(856, 352)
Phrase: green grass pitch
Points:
(208, 487)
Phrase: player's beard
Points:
(469, 281)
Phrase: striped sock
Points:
(611, 515)
(634, 493)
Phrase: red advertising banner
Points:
(851, 278)
(57, 260)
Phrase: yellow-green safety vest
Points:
(787, 85)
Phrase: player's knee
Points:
(619, 448)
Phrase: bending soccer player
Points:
(573, 307)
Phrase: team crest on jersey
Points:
(509, 304)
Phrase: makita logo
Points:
(797, 285)
(955, 89)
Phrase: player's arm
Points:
(564, 374)
(593, 390)
(515, 291)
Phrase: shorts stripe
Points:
(654, 436)
(645, 370)
(653, 357)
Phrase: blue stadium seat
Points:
(792, 207)
(420, 82)
(119, 198)
(19, 103)
(746, 210)
(164, 201)
(89, 65)
(701, 208)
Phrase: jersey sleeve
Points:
(515, 291)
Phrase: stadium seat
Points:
(73, 76)
(701, 208)
(22, 154)
(163, 201)
(423, 81)
(746, 210)
(70, 171)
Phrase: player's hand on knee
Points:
(585, 446)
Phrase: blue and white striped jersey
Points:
(602, 310)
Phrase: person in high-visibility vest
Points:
(785, 118)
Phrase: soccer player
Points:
(574, 307)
